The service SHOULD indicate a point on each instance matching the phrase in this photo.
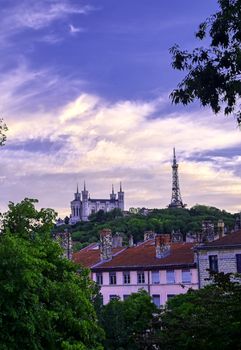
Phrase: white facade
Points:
(82, 205)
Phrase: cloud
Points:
(36, 16)
(74, 30)
(50, 147)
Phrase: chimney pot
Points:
(105, 244)
(162, 245)
(220, 228)
(131, 242)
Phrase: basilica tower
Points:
(76, 207)
(121, 198)
(85, 207)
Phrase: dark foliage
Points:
(159, 220)
(213, 72)
(209, 318)
(45, 299)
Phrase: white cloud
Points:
(74, 30)
(37, 15)
(107, 142)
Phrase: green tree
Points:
(3, 129)
(45, 299)
(209, 318)
(24, 220)
(128, 323)
(213, 73)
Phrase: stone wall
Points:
(226, 262)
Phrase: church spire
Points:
(84, 186)
(120, 187)
(77, 194)
(113, 192)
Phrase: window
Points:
(186, 276)
(155, 277)
(99, 278)
(213, 263)
(125, 296)
(112, 277)
(171, 276)
(140, 277)
(113, 296)
(238, 261)
(156, 300)
(126, 277)
(169, 296)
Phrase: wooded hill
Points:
(158, 220)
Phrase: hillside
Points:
(159, 221)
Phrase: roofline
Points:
(104, 261)
(214, 247)
(142, 268)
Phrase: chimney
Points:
(162, 245)
(105, 244)
(220, 228)
(131, 242)
(117, 240)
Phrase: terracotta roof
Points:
(138, 257)
(230, 240)
(90, 255)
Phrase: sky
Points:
(84, 90)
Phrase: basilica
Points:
(82, 205)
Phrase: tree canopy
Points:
(45, 299)
(213, 72)
(209, 318)
(128, 323)
(159, 220)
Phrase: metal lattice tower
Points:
(176, 201)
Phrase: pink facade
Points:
(162, 268)
(162, 290)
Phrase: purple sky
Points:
(84, 90)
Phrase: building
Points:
(162, 268)
(221, 255)
(82, 205)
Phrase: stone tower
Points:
(76, 206)
(112, 195)
(121, 198)
(85, 207)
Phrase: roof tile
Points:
(142, 255)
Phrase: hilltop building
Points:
(82, 205)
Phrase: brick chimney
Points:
(220, 228)
(105, 244)
(162, 244)
(117, 240)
